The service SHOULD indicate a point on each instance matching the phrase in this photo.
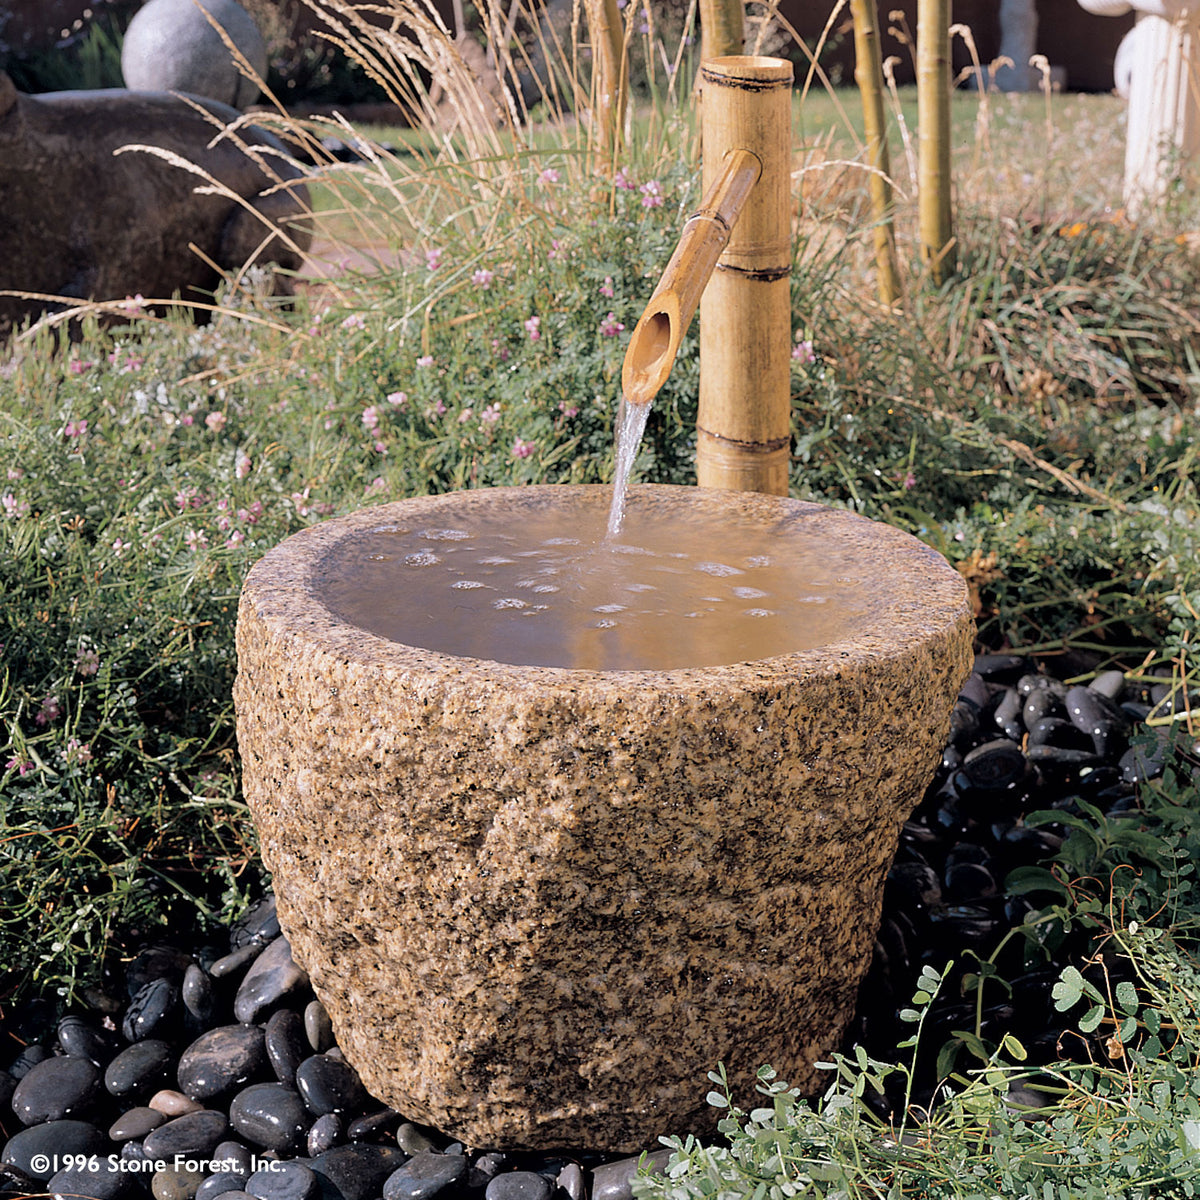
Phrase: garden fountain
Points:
(541, 898)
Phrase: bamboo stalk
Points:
(722, 28)
(743, 430)
(933, 137)
(610, 83)
(656, 337)
(868, 74)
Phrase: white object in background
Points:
(1158, 68)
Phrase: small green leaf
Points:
(1127, 996)
(910, 1015)
(1091, 1019)
(1067, 990)
(1013, 1046)
(717, 1100)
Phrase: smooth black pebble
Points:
(56, 1089)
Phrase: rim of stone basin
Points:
(916, 595)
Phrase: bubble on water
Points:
(422, 558)
(760, 612)
(380, 557)
(703, 612)
(811, 599)
(721, 570)
(746, 593)
(561, 542)
(625, 548)
(606, 608)
(605, 623)
(444, 535)
(466, 584)
(640, 587)
(759, 560)
(546, 587)
(495, 561)
(508, 602)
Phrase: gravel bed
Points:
(209, 1071)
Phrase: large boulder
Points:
(85, 218)
(177, 46)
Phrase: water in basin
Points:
(684, 587)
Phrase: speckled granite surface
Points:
(540, 904)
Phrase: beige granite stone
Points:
(540, 904)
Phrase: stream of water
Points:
(631, 425)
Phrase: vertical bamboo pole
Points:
(722, 28)
(868, 74)
(609, 81)
(744, 425)
(933, 137)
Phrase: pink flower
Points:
(533, 328)
(79, 365)
(196, 539)
(235, 539)
(49, 711)
(75, 429)
(803, 352)
(380, 448)
(78, 752)
(12, 506)
(370, 418)
(547, 177)
(300, 500)
(490, 415)
(242, 465)
(433, 259)
(482, 278)
(568, 410)
(376, 484)
(622, 181)
(500, 349)
(522, 449)
(87, 661)
(910, 481)
(555, 245)
(22, 767)
(425, 360)
(133, 306)
(465, 415)
(610, 326)
(606, 288)
(119, 547)
(355, 321)
(15, 473)
(187, 419)
(397, 399)
(215, 421)
(652, 196)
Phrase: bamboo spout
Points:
(656, 337)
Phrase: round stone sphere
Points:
(171, 46)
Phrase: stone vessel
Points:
(539, 903)
(86, 218)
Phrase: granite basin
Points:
(540, 903)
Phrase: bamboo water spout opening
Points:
(656, 337)
(733, 261)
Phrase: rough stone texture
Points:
(539, 904)
(82, 221)
(172, 46)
